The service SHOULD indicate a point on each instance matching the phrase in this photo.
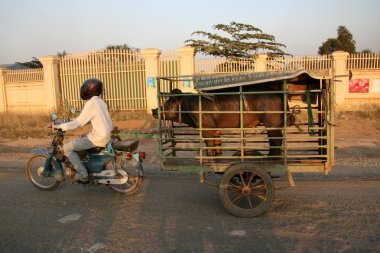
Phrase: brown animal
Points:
(223, 103)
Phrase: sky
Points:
(36, 28)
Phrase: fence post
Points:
(186, 66)
(151, 57)
(51, 80)
(3, 98)
(260, 63)
(342, 79)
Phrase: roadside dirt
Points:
(357, 145)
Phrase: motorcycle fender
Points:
(58, 173)
(135, 161)
(40, 151)
(49, 161)
(58, 166)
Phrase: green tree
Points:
(366, 51)
(61, 54)
(122, 47)
(344, 42)
(35, 63)
(329, 46)
(239, 41)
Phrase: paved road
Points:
(174, 213)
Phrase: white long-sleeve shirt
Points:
(96, 111)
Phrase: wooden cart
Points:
(246, 188)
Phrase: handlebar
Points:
(57, 123)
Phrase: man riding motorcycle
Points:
(95, 110)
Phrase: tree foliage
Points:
(344, 42)
(122, 47)
(62, 54)
(366, 51)
(35, 63)
(241, 41)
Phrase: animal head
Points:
(171, 107)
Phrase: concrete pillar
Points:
(260, 64)
(51, 80)
(341, 73)
(151, 57)
(3, 97)
(187, 67)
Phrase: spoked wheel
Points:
(34, 168)
(134, 178)
(246, 190)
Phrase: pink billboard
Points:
(358, 86)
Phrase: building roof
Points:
(14, 66)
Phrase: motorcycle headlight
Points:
(53, 116)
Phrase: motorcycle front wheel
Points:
(34, 168)
(134, 178)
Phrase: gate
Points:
(122, 73)
(169, 66)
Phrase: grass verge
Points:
(15, 125)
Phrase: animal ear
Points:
(177, 98)
(176, 91)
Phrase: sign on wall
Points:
(359, 86)
(151, 82)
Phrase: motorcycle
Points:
(118, 165)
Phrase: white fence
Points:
(126, 78)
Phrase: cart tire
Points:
(246, 190)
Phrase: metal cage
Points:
(307, 145)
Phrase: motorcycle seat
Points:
(126, 145)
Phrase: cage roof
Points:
(222, 81)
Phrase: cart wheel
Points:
(246, 190)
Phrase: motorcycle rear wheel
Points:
(34, 168)
(134, 178)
